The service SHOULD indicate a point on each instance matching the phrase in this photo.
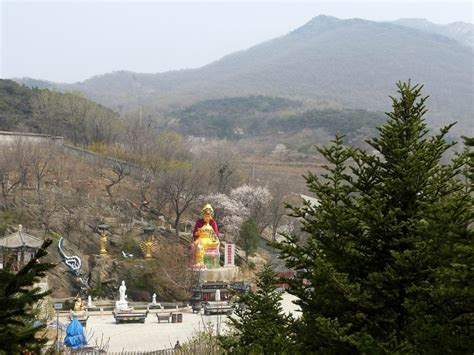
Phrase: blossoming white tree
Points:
(256, 199)
(243, 202)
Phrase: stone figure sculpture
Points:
(122, 303)
(122, 290)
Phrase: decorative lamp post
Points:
(147, 231)
(149, 243)
(103, 238)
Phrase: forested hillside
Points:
(232, 117)
(70, 115)
(252, 116)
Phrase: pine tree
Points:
(248, 237)
(18, 296)
(259, 325)
(388, 252)
(469, 143)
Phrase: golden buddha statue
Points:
(78, 305)
(206, 241)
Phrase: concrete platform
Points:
(225, 273)
(157, 336)
(148, 336)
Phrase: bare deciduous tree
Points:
(47, 207)
(119, 171)
(224, 174)
(181, 188)
(41, 158)
(174, 267)
(276, 207)
(145, 188)
(15, 167)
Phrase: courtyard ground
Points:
(157, 336)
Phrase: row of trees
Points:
(385, 261)
(70, 115)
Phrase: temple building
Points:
(18, 248)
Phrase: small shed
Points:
(18, 248)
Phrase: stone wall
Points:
(9, 138)
(134, 170)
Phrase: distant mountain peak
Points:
(462, 32)
(319, 23)
(419, 20)
(323, 23)
(323, 19)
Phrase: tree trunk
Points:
(176, 224)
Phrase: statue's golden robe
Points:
(206, 248)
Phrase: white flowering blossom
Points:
(243, 202)
(224, 206)
(255, 198)
(232, 225)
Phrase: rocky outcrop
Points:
(103, 276)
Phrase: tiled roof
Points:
(20, 239)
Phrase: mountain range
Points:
(460, 31)
(330, 62)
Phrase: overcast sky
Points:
(71, 41)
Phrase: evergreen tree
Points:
(18, 296)
(248, 237)
(388, 253)
(259, 325)
(469, 143)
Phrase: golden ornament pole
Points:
(103, 239)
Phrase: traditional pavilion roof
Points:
(20, 239)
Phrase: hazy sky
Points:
(71, 41)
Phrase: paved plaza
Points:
(156, 336)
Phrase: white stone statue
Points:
(122, 290)
(122, 304)
(89, 301)
(153, 298)
(218, 295)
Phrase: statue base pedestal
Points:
(122, 306)
(226, 273)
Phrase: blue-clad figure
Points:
(75, 338)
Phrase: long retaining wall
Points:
(132, 169)
(10, 138)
